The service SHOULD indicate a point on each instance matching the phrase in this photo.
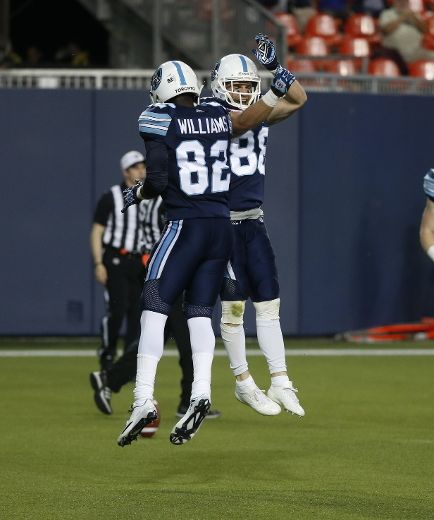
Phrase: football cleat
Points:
(102, 393)
(286, 397)
(256, 399)
(185, 429)
(141, 416)
(212, 414)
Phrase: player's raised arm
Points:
(261, 110)
(296, 96)
(426, 231)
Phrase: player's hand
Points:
(265, 52)
(282, 80)
(130, 196)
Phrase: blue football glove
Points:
(282, 80)
(265, 52)
(130, 196)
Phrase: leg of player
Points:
(233, 337)
(202, 346)
(271, 343)
(151, 346)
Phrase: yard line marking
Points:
(312, 352)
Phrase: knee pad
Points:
(267, 310)
(233, 312)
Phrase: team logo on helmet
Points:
(215, 71)
(156, 79)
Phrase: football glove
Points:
(130, 196)
(265, 52)
(282, 80)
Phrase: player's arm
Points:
(296, 96)
(426, 232)
(96, 248)
(261, 110)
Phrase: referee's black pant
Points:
(124, 370)
(125, 275)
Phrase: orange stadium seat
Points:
(302, 66)
(417, 5)
(428, 38)
(341, 67)
(360, 25)
(313, 46)
(293, 34)
(358, 47)
(383, 67)
(324, 26)
(422, 69)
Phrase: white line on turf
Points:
(314, 352)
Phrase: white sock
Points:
(271, 343)
(202, 347)
(246, 382)
(280, 381)
(151, 345)
(235, 344)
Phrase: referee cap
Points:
(130, 158)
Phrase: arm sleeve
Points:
(103, 209)
(157, 168)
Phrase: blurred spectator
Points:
(72, 55)
(9, 58)
(403, 31)
(372, 7)
(34, 58)
(337, 8)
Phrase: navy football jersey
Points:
(247, 162)
(197, 140)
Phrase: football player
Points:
(186, 147)
(252, 271)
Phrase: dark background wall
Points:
(343, 205)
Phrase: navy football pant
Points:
(253, 263)
(191, 256)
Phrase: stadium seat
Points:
(422, 69)
(358, 47)
(341, 67)
(428, 38)
(417, 5)
(302, 66)
(360, 25)
(313, 46)
(324, 26)
(383, 67)
(293, 34)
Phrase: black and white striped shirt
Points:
(136, 230)
(152, 217)
(122, 230)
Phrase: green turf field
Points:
(365, 449)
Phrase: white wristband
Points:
(270, 98)
(430, 252)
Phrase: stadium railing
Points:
(141, 79)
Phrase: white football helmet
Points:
(171, 79)
(231, 69)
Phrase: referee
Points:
(116, 239)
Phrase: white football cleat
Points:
(141, 416)
(285, 396)
(255, 398)
(185, 429)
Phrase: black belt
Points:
(123, 252)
